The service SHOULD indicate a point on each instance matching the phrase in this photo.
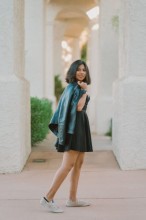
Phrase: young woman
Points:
(71, 126)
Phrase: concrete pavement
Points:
(114, 194)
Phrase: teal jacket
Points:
(64, 118)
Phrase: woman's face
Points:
(81, 73)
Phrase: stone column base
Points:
(14, 124)
(129, 123)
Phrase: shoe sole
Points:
(77, 205)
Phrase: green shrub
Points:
(41, 112)
(84, 52)
(58, 87)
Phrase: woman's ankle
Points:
(73, 199)
(48, 199)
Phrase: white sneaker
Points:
(50, 206)
(77, 203)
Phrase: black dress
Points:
(81, 139)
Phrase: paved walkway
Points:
(114, 194)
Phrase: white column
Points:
(49, 71)
(14, 89)
(35, 46)
(108, 57)
(93, 62)
(49, 54)
(58, 38)
(129, 118)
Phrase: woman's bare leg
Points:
(75, 174)
(69, 160)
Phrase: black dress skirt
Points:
(81, 139)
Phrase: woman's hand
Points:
(83, 85)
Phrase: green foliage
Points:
(41, 112)
(109, 133)
(84, 52)
(58, 87)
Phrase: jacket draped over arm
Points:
(64, 118)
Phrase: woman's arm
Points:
(81, 102)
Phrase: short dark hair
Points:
(71, 73)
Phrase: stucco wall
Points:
(129, 117)
(14, 89)
(14, 124)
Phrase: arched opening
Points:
(71, 33)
